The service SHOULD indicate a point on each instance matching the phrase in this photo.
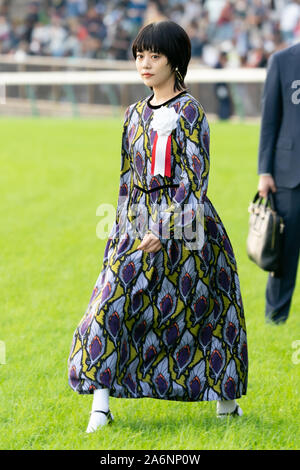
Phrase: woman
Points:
(165, 319)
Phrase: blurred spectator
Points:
(198, 37)
(76, 7)
(57, 6)
(40, 38)
(135, 12)
(76, 33)
(120, 45)
(222, 91)
(57, 36)
(21, 51)
(4, 34)
(154, 12)
(257, 57)
(225, 23)
(31, 19)
(94, 24)
(289, 19)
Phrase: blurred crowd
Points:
(247, 31)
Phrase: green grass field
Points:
(54, 174)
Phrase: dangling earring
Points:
(178, 75)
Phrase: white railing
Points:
(57, 62)
(114, 78)
(201, 75)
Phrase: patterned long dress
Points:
(170, 324)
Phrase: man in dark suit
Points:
(279, 169)
(222, 91)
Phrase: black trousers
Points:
(280, 290)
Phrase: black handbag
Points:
(265, 236)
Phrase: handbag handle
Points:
(270, 199)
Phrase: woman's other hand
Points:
(150, 243)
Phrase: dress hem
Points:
(237, 397)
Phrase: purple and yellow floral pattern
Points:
(167, 325)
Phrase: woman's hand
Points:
(150, 243)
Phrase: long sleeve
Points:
(119, 226)
(184, 218)
(271, 117)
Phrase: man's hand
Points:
(150, 243)
(265, 184)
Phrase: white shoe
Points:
(236, 412)
(97, 421)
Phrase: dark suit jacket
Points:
(279, 147)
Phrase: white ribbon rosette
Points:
(163, 122)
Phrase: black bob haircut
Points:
(170, 39)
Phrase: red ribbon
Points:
(167, 156)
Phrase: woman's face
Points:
(154, 68)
